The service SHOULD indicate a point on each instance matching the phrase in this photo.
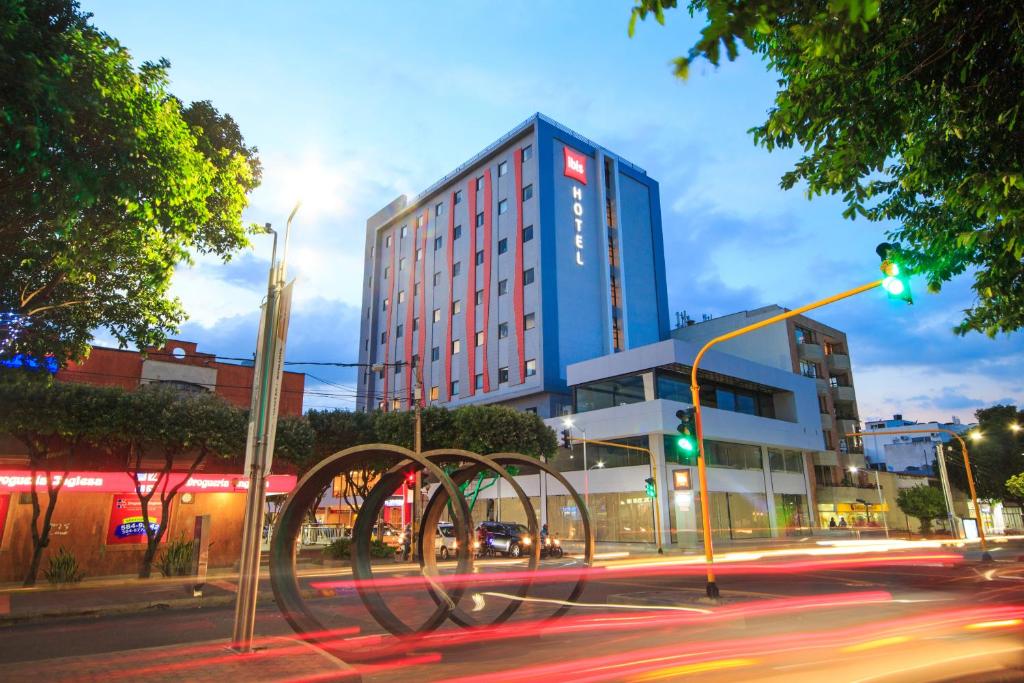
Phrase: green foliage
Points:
(176, 558)
(1015, 486)
(994, 458)
(924, 502)
(107, 183)
(911, 111)
(339, 549)
(381, 550)
(63, 568)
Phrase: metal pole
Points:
(417, 503)
(657, 503)
(586, 472)
(709, 555)
(940, 463)
(881, 505)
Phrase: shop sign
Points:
(14, 481)
(5, 503)
(681, 480)
(127, 524)
(576, 168)
(575, 165)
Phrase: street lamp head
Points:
(853, 469)
(600, 463)
(976, 436)
(567, 422)
(265, 229)
(1014, 427)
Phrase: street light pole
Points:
(259, 447)
(711, 587)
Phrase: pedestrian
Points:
(832, 523)
(842, 522)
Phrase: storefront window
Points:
(739, 515)
(785, 461)
(620, 517)
(674, 388)
(600, 456)
(792, 514)
(734, 455)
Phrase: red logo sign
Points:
(575, 165)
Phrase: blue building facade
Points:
(543, 250)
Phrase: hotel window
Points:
(385, 305)
(502, 287)
(380, 375)
(387, 241)
(435, 353)
(478, 381)
(527, 192)
(456, 232)
(458, 196)
(401, 264)
(456, 346)
(383, 337)
(398, 331)
(457, 306)
(437, 315)
(803, 335)
(502, 245)
(502, 330)
(531, 367)
(479, 338)
(419, 254)
(527, 152)
(401, 296)
(415, 358)
(456, 268)
(479, 298)
(527, 233)
(387, 271)
(528, 276)
(502, 168)
(502, 206)
(529, 321)
(808, 369)
(415, 324)
(396, 404)
(480, 219)
(416, 289)
(502, 375)
(480, 183)
(405, 231)
(438, 242)
(480, 257)
(439, 209)
(434, 393)
(437, 279)
(366, 345)
(823, 403)
(454, 387)
(398, 367)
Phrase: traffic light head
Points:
(687, 441)
(566, 439)
(896, 283)
(651, 492)
(410, 480)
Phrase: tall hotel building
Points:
(543, 250)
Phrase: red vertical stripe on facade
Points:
(471, 292)
(447, 354)
(387, 330)
(423, 310)
(517, 294)
(488, 202)
(410, 308)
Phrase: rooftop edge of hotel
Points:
(401, 205)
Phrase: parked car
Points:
(508, 538)
(445, 544)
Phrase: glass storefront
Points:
(620, 517)
(738, 456)
(737, 516)
(792, 514)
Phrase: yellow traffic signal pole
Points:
(985, 555)
(654, 476)
(705, 512)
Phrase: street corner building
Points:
(98, 516)
(533, 276)
(543, 250)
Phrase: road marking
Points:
(872, 644)
(552, 601)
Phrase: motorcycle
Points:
(551, 547)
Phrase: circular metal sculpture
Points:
(451, 469)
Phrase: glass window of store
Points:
(785, 460)
(738, 456)
(608, 393)
(601, 456)
(739, 515)
(622, 517)
(792, 514)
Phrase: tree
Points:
(107, 183)
(924, 502)
(180, 431)
(56, 423)
(1015, 485)
(910, 110)
(994, 458)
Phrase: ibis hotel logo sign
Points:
(576, 168)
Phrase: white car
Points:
(445, 544)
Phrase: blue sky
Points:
(353, 104)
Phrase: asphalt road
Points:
(900, 615)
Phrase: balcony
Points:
(838, 361)
(847, 426)
(811, 352)
(826, 422)
(822, 384)
(844, 394)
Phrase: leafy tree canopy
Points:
(107, 182)
(924, 502)
(908, 109)
(995, 457)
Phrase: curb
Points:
(136, 607)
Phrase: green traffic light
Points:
(686, 443)
(894, 286)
